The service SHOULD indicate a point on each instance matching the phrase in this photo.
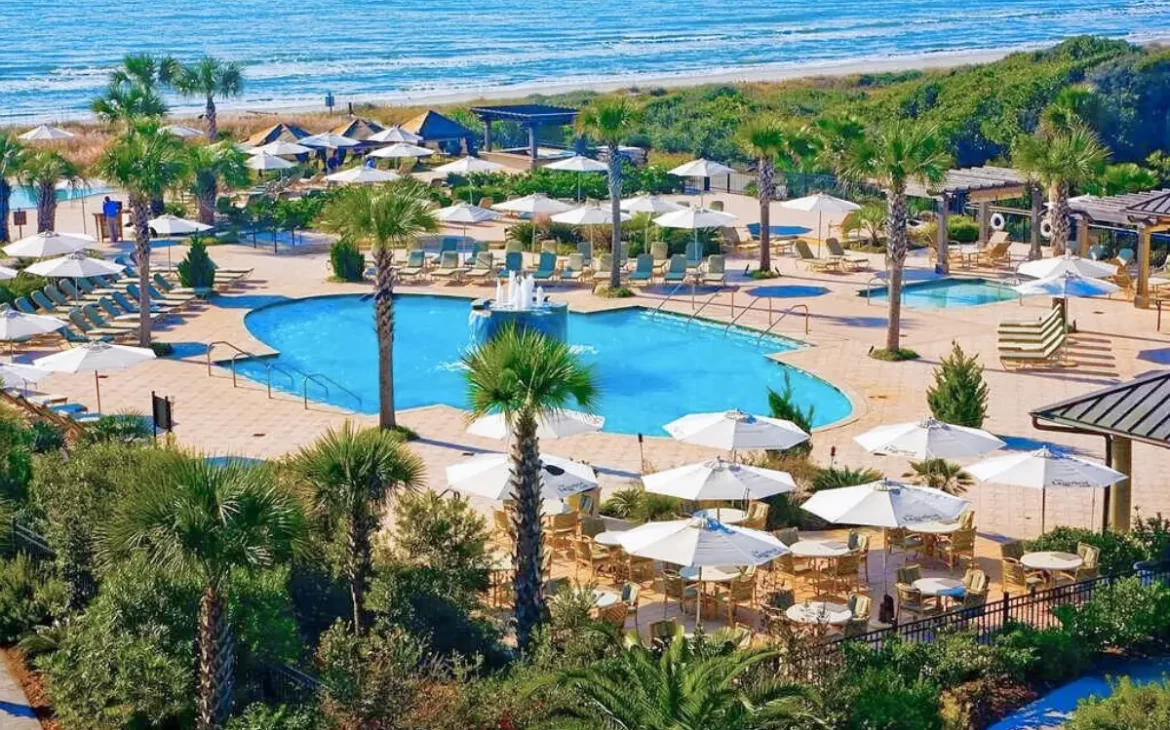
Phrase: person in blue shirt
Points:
(111, 210)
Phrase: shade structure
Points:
(282, 149)
(172, 225)
(577, 163)
(264, 161)
(821, 204)
(468, 165)
(588, 215)
(401, 150)
(1067, 285)
(7, 273)
(395, 134)
(95, 357)
(490, 475)
(885, 503)
(701, 168)
(698, 542)
(45, 133)
(718, 480)
(74, 266)
(928, 439)
(363, 175)
(182, 132)
(1068, 263)
(695, 218)
(49, 243)
(650, 204)
(535, 204)
(16, 325)
(328, 140)
(555, 425)
(736, 431)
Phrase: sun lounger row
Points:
(837, 260)
(1034, 342)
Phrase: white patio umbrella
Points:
(16, 325)
(589, 216)
(557, 425)
(703, 169)
(281, 148)
(465, 214)
(736, 431)
(578, 164)
(328, 140)
(1045, 469)
(490, 475)
(535, 204)
(1068, 263)
(718, 480)
(182, 132)
(173, 225)
(395, 134)
(928, 439)
(1065, 286)
(7, 273)
(821, 203)
(49, 243)
(45, 133)
(74, 266)
(95, 357)
(693, 219)
(264, 162)
(401, 150)
(468, 165)
(11, 373)
(362, 175)
(652, 204)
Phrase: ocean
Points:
(57, 53)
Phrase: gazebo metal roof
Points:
(1138, 410)
(1123, 209)
(987, 182)
(526, 114)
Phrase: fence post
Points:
(1004, 609)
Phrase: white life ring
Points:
(998, 222)
(1046, 228)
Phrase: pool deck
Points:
(217, 418)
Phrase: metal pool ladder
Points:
(325, 381)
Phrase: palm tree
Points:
(134, 89)
(387, 217)
(207, 165)
(145, 162)
(207, 78)
(891, 156)
(868, 222)
(200, 521)
(42, 171)
(684, 688)
(13, 156)
(348, 477)
(940, 474)
(610, 121)
(525, 375)
(1059, 160)
(768, 140)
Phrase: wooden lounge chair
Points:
(484, 267)
(1032, 353)
(805, 254)
(715, 271)
(546, 268)
(995, 254)
(853, 261)
(449, 267)
(575, 269)
(643, 272)
(1009, 335)
(660, 252)
(1028, 325)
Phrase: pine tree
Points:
(783, 405)
(959, 394)
(197, 270)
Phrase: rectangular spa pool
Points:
(946, 293)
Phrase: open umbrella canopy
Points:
(182, 132)
(650, 204)
(45, 133)
(49, 243)
(93, 357)
(695, 218)
(173, 225)
(400, 150)
(363, 175)
(702, 542)
(736, 431)
(74, 266)
(701, 168)
(490, 475)
(820, 203)
(7, 273)
(16, 325)
(281, 149)
(1044, 468)
(885, 503)
(264, 161)
(395, 134)
(718, 480)
(928, 439)
(536, 204)
(555, 425)
(328, 140)
(468, 165)
(587, 215)
(577, 163)
(1069, 262)
(465, 214)
(12, 373)
(1066, 285)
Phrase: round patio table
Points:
(819, 549)
(1050, 561)
(819, 613)
(726, 515)
(609, 538)
(604, 599)
(948, 587)
(934, 528)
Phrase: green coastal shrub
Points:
(836, 477)
(1130, 707)
(27, 594)
(963, 229)
(958, 394)
(1057, 655)
(21, 286)
(1121, 616)
(782, 404)
(197, 270)
(347, 261)
(1119, 551)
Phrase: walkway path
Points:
(15, 713)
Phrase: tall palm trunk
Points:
(765, 191)
(216, 653)
(896, 247)
(524, 486)
(615, 195)
(46, 207)
(208, 188)
(5, 198)
(362, 527)
(140, 212)
(1058, 215)
(212, 120)
(384, 324)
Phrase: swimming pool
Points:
(947, 293)
(652, 368)
(25, 198)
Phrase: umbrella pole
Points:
(1043, 507)
(97, 386)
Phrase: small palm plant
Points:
(946, 476)
(525, 375)
(43, 171)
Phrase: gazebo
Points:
(358, 128)
(276, 133)
(530, 116)
(433, 127)
(1135, 411)
(1147, 213)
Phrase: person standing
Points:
(110, 213)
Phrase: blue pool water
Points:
(652, 368)
(948, 294)
(754, 229)
(788, 291)
(25, 198)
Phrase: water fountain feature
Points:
(521, 303)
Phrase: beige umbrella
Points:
(95, 357)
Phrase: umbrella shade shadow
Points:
(247, 301)
(1158, 357)
(1025, 443)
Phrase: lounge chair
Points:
(90, 331)
(805, 254)
(513, 247)
(93, 315)
(513, 262)
(995, 254)
(168, 288)
(22, 304)
(575, 270)
(715, 271)
(661, 254)
(477, 247)
(133, 291)
(546, 269)
(1019, 354)
(64, 293)
(603, 267)
(676, 271)
(549, 245)
(1036, 331)
(416, 265)
(46, 305)
(162, 296)
(585, 248)
(694, 255)
(853, 261)
(448, 267)
(484, 267)
(643, 272)
(118, 314)
(131, 305)
(1125, 281)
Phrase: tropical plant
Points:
(348, 476)
(958, 394)
(782, 404)
(42, 171)
(767, 140)
(868, 222)
(201, 521)
(835, 477)
(197, 270)
(623, 503)
(525, 376)
(892, 156)
(610, 121)
(946, 476)
(209, 165)
(134, 89)
(13, 156)
(444, 534)
(386, 217)
(1060, 160)
(125, 428)
(347, 261)
(1127, 177)
(22, 602)
(145, 162)
(208, 78)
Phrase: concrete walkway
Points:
(15, 713)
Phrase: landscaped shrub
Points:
(782, 404)
(963, 229)
(1119, 551)
(622, 504)
(1130, 707)
(197, 270)
(27, 595)
(15, 455)
(121, 427)
(347, 261)
(259, 716)
(940, 474)
(959, 395)
(836, 477)
(876, 698)
(370, 680)
(1057, 654)
(21, 286)
(1121, 616)
(1153, 535)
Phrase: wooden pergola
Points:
(530, 116)
(1147, 213)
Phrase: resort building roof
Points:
(977, 183)
(434, 127)
(1125, 209)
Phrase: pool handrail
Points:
(698, 311)
(745, 310)
(324, 381)
(242, 353)
(784, 314)
(672, 292)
